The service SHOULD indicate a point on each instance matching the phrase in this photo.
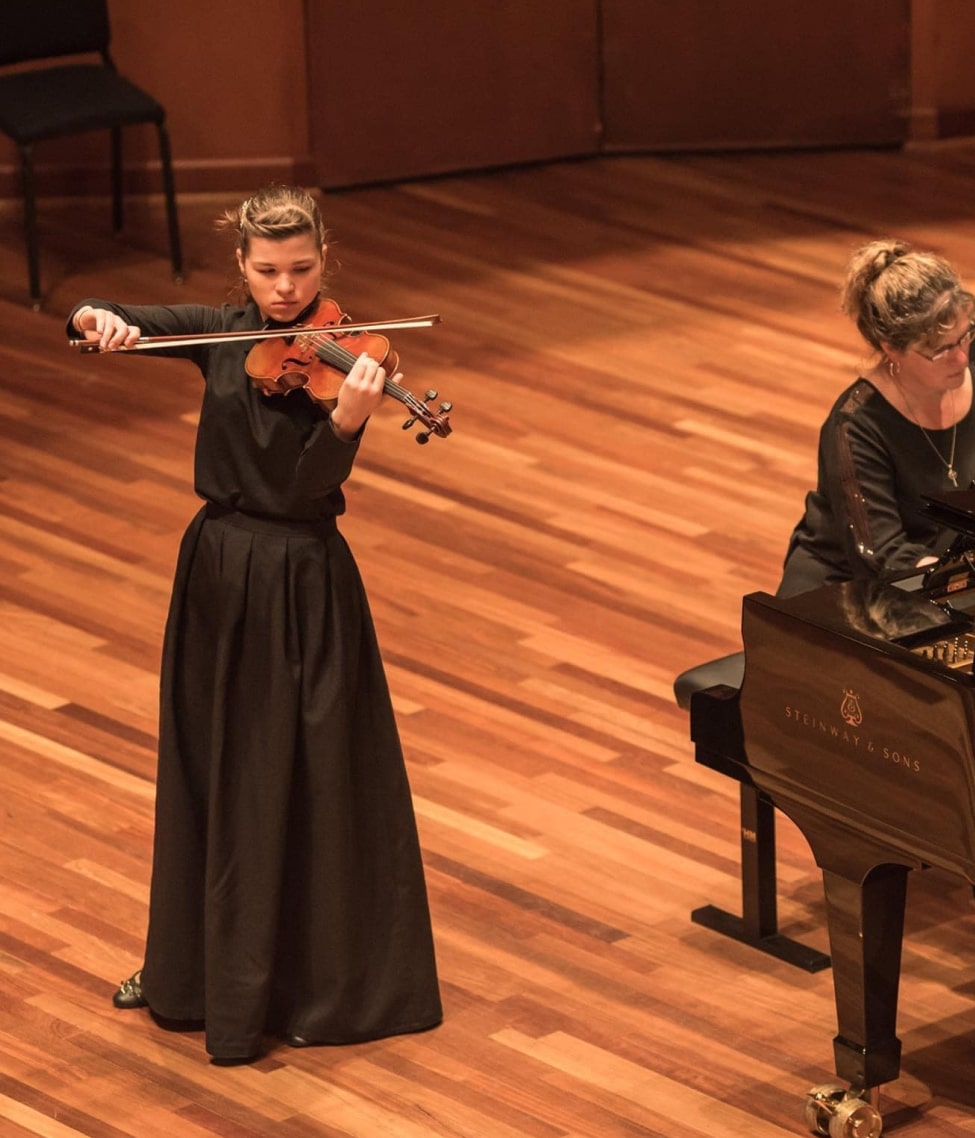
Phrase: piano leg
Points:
(758, 924)
(866, 930)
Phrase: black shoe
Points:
(298, 1041)
(130, 994)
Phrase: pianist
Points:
(905, 428)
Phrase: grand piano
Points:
(856, 719)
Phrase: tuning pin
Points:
(445, 407)
(409, 423)
(423, 437)
(429, 395)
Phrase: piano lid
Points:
(954, 573)
(890, 611)
(956, 510)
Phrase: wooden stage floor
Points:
(639, 352)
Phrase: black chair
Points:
(50, 100)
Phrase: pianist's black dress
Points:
(287, 889)
(864, 517)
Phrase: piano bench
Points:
(728, 670)
(716, 732)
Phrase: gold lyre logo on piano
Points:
(850, 708)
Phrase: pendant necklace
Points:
(950, 464)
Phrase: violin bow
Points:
(147, 343)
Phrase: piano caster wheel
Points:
(820, 1106)
(838, 1113)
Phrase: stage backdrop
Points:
(340, 94)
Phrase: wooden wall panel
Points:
(943, 78)
(754, 73)
(231, 72)
(382, 92)
(435, 86)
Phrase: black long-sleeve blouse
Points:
(274, 456)
(865, 518)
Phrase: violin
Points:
(311, 357)
(316, 357)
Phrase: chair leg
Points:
(175, 249)
(30, 225)
(117, 207)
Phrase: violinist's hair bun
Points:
(275, 212)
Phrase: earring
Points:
(893, 368)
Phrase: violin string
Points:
(331, 352)
(328, 350)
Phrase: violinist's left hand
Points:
(360, 394)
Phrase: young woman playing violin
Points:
(287, 895)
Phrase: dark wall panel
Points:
(345, 94)
(398, 91)
(734, 73)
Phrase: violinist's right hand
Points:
(110, 331)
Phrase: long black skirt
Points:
(287, 888)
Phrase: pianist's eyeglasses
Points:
(961, 342)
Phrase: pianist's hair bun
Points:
(902, 297)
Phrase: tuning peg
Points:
(429, 395)
(445, 407)
(409, 423)
(423, 437)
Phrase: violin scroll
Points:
(436, 424)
